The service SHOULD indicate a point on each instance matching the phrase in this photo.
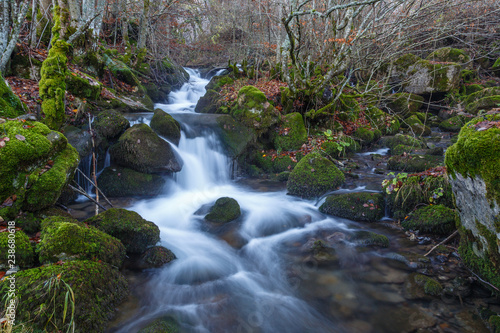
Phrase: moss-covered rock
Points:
(369, 238)
(292, 133)
(236, 138)
(474, 165)
(393, 142)
(83, 85)
(313, 176)
(109, 124)
(253, 110)
(274, 164)
(415, 125)
(173, 73)
(141, 149)
(35, 163)
(19, 244)
(98, 289)
(155, 257)
(364, 135)
(130, 228)
(419, 286)
(470, 89)
(165, 125)
(496, 67)
(24, 65)
(71, 241)
(414, 163)
(485, 103)
(162, 325)
(123, 182)
(403, 104)
(382, 121)
(448, 54)
(432, 219)
(453, 124)
(10, 105)
(362, 206)
(224, 210)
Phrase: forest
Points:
(249, 166)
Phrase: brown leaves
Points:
(486, 124)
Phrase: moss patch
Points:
(413, 163)
(404, 104)
(10, 105)
(165, 125)
(123, 182)
(292, 133)
(156, 256)
(162, 325)
(130, 228)
(363, 206)
(369, 238)
(432, 219)
(454, 124)
(224, 210)
(24, 253)
(109, 124)
(313, 176)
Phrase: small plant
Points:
(436, 195)
(334, 145)
(394, 184)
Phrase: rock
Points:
(83, 85)
(98, 289)
(419, 286)
(382, 121)
(10, 105)
(274, 164)
(235, 137)
(403, 104)
(130, 228)
(24, 65)
(365, 135)
(155, 257)
(313, 176)
(448, 54)
(253, 110)
(211, 101)
(291, 134)
(419, 190)
(162, 325)
(36, 164)
(67, 240)
(400, 139)
(418, 76)
(123, 182)
(403, 319)
(369, 238)
(433, 219)
(24, 252)
(413, 163)
(224, 210)
(81, 140)
(473, 163)
(110, 124)
(173, 73)
(453, 124)
(141, 149)
(361, 206)
(165, 125)
(416, 127)
(496, 67)
(484, 99)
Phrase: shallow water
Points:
(258, 273)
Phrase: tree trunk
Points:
(143, 26)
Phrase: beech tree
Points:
(12, 15)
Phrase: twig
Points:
(85, 194)
(94, 168)
(91, 182)
(443, 242)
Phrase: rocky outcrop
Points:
(165, 125)
(473, 163)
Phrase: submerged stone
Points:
(224, 210)
(362, 206)
(155, 257)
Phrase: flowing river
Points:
(257, 274)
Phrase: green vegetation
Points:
(224, 210)
(123, 182)
(292, 133)
(10, 105)
(432, 219)
(24, 252)
(166, 126)
(362, 206)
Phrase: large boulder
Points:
(236, 138)
(123, 182)
(67, 240)
(224, 210)
(313, 176)
(109, 124)
(165, 125)
(42, 293)
(141, 149)
(211, 101)
(473, 163)
(395, 142)
(449, 54)
(130, 228)
(418, 76)
(403, 104)
(291, 134)
(362, 206)
(432, 219)
(36, 163)
(10, 105)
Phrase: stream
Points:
(258, 274)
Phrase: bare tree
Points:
(12, 17)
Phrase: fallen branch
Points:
(91, 182)
(443, 242)
(82, 192)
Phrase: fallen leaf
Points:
(20, 137)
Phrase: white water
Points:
(212, 286)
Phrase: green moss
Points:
(129, 227)
(413, 163)
(472, 88)
(292, 133)
(363, 206)
(484, 103)
(400, 149)
(433, 219)
(486, 92)
(123, 182)
(494, 321)
(440, 75)
(253, 110)
(416, 126)
(405, 61)
(98, 290)
(84, 87)
(369, 238)
(63, 240)
(420, 190)
(313, 176)
(162, 325)
(364, 135)
(235, 137)
(454, 124)
(382, 121)
(10, 105)
(404, 104)
(165, 125)
(496, 65)
(224, 210)
(419, 286)
(477, 154)
(401, 139)
(24, 253)
(468, 75)
(157, 256)
(110, 124)
(448, 54)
